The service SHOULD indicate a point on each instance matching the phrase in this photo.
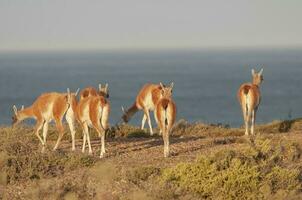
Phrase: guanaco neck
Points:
(74, 103)
(256, 82)
(131, 111)
(26, 113)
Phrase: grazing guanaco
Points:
(165, 114)
(146, 100)
(93, 111)
(48, 107)
(249, 97)
(91, 91)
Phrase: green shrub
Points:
(205, 178)
(252, 173)
(240, 181)
(37, 165)
(139, 174)
(223, 159)
(292, 151)
(200, 177)
(285, 179)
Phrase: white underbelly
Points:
(48, 114)
(149, 105)
(86, 118)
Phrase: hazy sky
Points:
(111, 24)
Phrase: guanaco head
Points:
(104, 91)
(16, 116)
(257, 77)
(125, 116)
(166, 91)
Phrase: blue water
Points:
(206, 81)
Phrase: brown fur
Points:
(129, 113)
(91, 91)
(254, 92)
(165, 112)
(42, 111)
(87, 113)
(162, 106)
(141, 103)
(164, 103)
(154, 89)
(249, 97)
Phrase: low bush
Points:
(139, 174)
(23, 161)
(238, 175)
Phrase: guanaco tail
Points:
(48, 107)
(249, 97)
(146, 100)
(165, 114)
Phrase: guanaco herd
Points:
(93, 109)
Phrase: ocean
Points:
(205, 81)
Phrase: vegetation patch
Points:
(126, 130)
(210, 162)
(237, 175)
(21, 160)
(139, 174)
(138, 134)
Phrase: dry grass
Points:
(209, 161)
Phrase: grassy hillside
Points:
(207, 162)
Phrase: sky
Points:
(27, 25)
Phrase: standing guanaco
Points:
(249, 97)
(48, 107)
(146, 100)
(93, 111)
(165, 114)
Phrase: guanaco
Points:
(146, 100)
(249, 97)
(48, 107)
(91, 91)
(165, 114)
(93, 111)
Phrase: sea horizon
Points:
(206, 80)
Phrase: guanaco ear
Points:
(161, 85)
(253, 72)
(100, 87)
(15, 109)
(261, 71)
(22, 107)
(171, 85)
(106, 87)
(77, 92)
(123, 109)
(68, 95)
